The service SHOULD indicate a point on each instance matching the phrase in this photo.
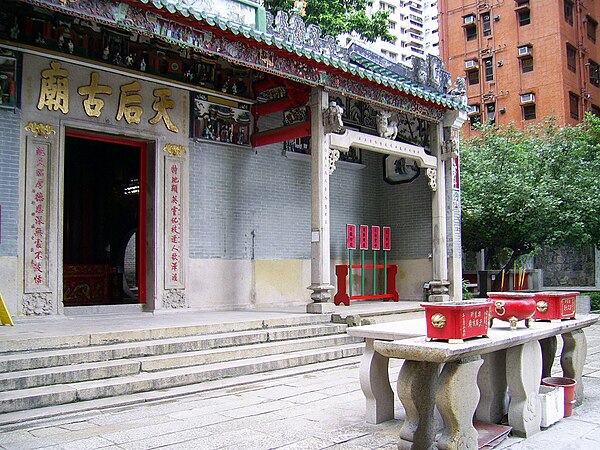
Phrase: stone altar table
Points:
(448, 376)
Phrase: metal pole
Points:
(350, 269)
(362, 272)
(374, 272)
(385, 272)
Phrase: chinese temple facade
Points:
(175, 154)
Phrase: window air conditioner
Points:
(527, 98)
(470, 64)
(469, 20)
(473, 110)
(525, 50)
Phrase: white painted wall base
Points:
(216, 284)
(9, 287)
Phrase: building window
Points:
(569, 11)
(595, 109)
(471, 33)
(488, 64)
(392, 25)
(524, 17)
(592, 27)
(529, 112)
(572, 58)
(526, 65)
(594, 73)
(574, 105)
(487, 24)
(490, 109)
(473, 77)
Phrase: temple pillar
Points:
(439, 250)
(320, 232)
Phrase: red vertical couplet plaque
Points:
(375, 238)
(364, 237)
(351, 236)
(387, 238)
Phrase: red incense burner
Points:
(512, 307)
(555, 305)
(455, 321)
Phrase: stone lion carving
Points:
(385, 128)
(332, 118)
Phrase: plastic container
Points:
(568, 384)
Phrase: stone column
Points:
(523, 372)
(492, 386)
(417, 383)
(452, 123)
(320, 256)
(375, 384)
(456, 397)
(439, 284)
(572, 360)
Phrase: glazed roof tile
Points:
(371, 71)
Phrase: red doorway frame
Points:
(141, 244)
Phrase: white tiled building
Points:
(415, 25)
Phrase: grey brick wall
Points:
(236, 191)
(10, 126)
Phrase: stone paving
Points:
(318, 410)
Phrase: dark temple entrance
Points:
(104, 220)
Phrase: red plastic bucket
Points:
(569, 387)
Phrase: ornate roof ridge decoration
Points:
(325, 51)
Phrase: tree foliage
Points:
(336, 17)
(523, 189)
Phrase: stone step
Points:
(117, 368)
(13, 420)
(37, 397)
(19, 361)
(94, 338)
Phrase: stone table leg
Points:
(416, 390)
(491, 381)
(456, 397)
(523, 371)
(549, 346)
(572, 360)
(375, 384)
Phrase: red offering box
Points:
(455, 321)
(555, 305)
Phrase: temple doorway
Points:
(104, 233)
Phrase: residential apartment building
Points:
(523, 60)
(415, 26)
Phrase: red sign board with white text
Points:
(387, 238)
(351, 236)
(375, 237)
(364, 237)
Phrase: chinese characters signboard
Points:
(75, 91)
(364, 237)
(375, 238)
(173, 223)
(36, 219)
(351, 236)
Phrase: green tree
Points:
(523, 189)
(336, 17)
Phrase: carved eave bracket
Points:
(449, 149)
(432, 176)
(352, 138)
(333, 156)
(40, 129)
(174, 149)
(332, 118)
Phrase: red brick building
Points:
(524, 60)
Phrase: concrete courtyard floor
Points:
(318, 410)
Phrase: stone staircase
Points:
(41, 373)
